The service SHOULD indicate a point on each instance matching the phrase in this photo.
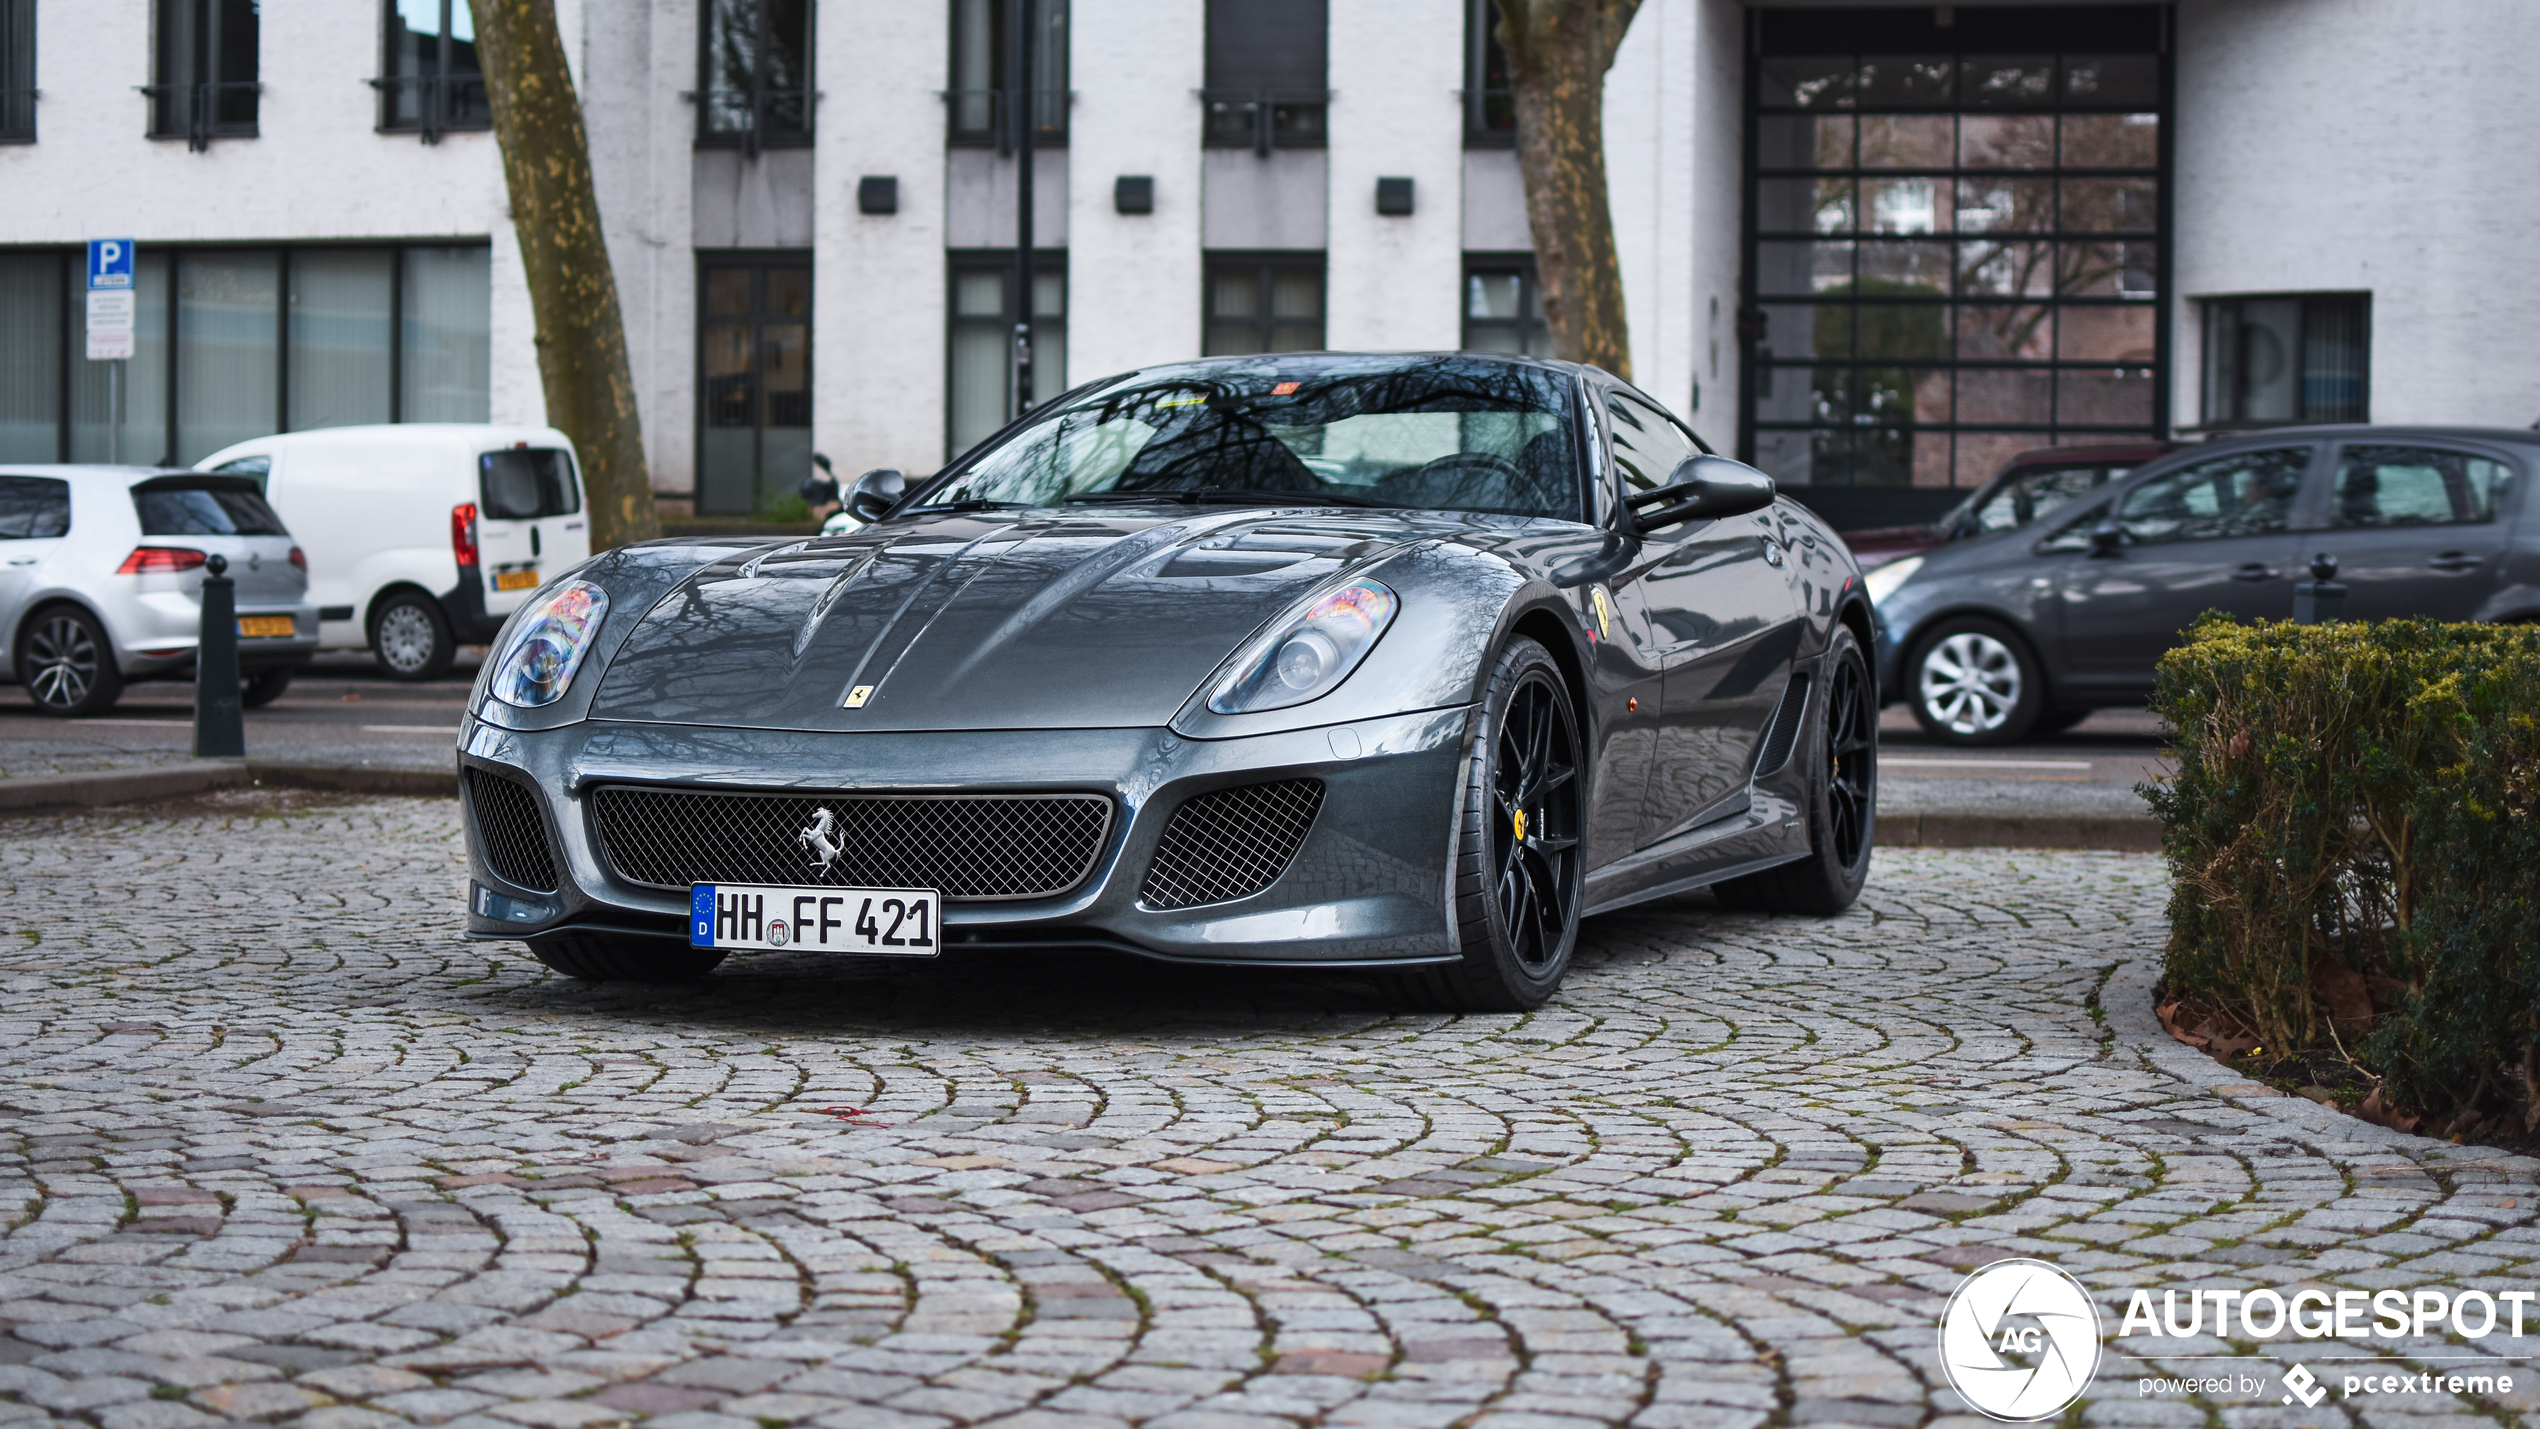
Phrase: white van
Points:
(421, 536)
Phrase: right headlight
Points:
(1310, 655)
(537, 664)
(1882, 583)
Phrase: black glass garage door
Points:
(1954, 238)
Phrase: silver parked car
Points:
(101, 578)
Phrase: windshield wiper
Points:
(1131, 498)
(1225, 495)
(972, 503)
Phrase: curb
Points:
(2140, 834)
(131, 786)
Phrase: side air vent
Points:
(509, 830)
(1781, 734)
(1230, 844)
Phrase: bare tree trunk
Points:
(572, 292)
(1558, 53)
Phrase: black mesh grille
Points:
(1783, 731)
(1230, 844)
(509, 830)
(961, 845)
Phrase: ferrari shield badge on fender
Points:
(1604, 611)
(857, 696)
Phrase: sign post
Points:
(111, 307)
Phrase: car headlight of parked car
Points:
(537, 665)
(1310, 654)
(1882, 582)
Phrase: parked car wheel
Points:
(67, 664)
(1842, 802)
(265, 686)
(1972, 681)
(411, 637)
(593, 959)
(1518, 874)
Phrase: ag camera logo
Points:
(2019, 1340)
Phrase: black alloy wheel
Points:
(67, 664)
(596, 959)
(1518, 878)
(1842, 801)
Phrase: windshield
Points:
(1442, 433)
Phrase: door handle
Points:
(2254, 571)
(2453, 561)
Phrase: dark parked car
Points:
(1993, 637)
(2027, 487)
(1399, 663)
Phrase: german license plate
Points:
(265, 627)
(880, 922)
(515, 580)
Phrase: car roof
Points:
(2078, 456)
(469, 436)
(2331, 431)
(97, 473)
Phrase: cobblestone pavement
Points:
(275, 1144)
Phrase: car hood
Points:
(1034, 620)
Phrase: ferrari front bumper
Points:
(1368, 885)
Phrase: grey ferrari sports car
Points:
(1396, 663)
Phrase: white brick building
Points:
(1880, 245)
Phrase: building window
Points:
(1954, 240)
(17, 71)
(981, 73)
(1264, 304)
(2286, 359)
(205, 87)
(429, 80)
(1490, 103)
(754, 87)
(232, 343)
(1503, 309)
(754, 387)
(979, 387)
(1266, 74)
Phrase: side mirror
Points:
(1702, 488)
(875, 493)
(2106, 539)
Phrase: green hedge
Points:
(2363, 799)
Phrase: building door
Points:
(754, 382)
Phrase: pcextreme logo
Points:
(2019, 1340)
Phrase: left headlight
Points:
(536, 667)
(1883, 581)
(1308, 655)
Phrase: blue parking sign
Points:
(109, 263)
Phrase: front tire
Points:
(596, 959)
(412, 637)
(1972, 681)
(67, 664)
(1518, 865)
(1842, 802)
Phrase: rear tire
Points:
(1518, 868)
(412, 637)
(67, 664)
(1972, 681)
(265, 686)
(1842, 802)
(597, 959)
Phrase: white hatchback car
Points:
(101, 579)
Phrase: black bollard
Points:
(220, 725)
(2320, 599)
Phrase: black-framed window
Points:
(204, 76)
(754, 81)
(17, 71)
(2287, 357)
(1503, 306)
(1264, 303)
(429, 79)
(1490, 103)
(1268, 74)
(754, 381)
(976, 100)
(1956, 246)
(237, 342)
(979, 348)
